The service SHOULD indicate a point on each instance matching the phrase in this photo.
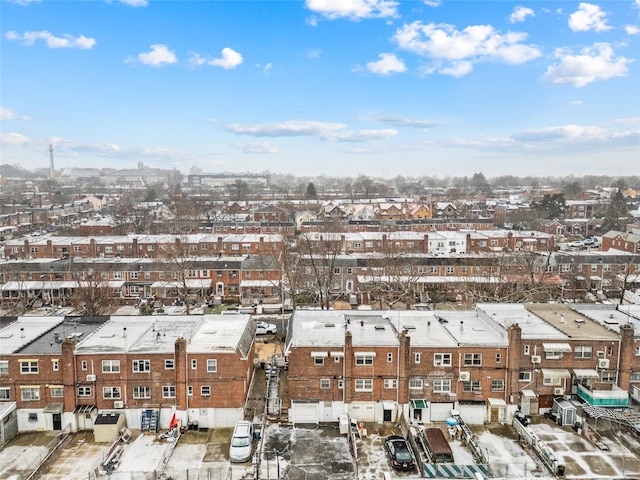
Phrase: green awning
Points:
(420, 403)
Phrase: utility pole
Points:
(51, 161)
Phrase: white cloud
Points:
(588, 17)
(230, 59)
(632, 29)
(398, 121)
(353, 9)
(264, 68)
(15, 139)
(135, 3)
(455, 52)
(387, 64)
(65, 41)
(520, 14)
(333, 132)
(23, 2)
(590, 65)
(256, 147)
(432, 3)
(158, 56)
(577, 102)
(9, 114)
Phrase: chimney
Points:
(22, 332)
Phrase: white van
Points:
(241, 442)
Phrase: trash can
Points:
(257, 432)
(560, 470)
(343, 421)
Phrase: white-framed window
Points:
(56, 391)
(364, 359)
(524, 376)
(168, 391)
(498, 357)
(5, 393)
(318, 361)
(391, 383)
(190, 390)
(84, 365)
(84, 391)
(340, 384)
(389, 357)
(325, 384)
(552, 381)
(28, 366)
(415, 383)
(582, 351)
(497, 385)
(205, 391)
(609, 376)
(449, 270)
(169, 364)
(55, 365)
(141, 365)
(212, 365)
(194, 364)
(4, 367)
(110, 392)
(417, 357)
(442, 385)
(142, 391)
(471, 386)
(527, 349)
(472, 359)
(364, 385)
(28, 394)
(117, 275)
(635, 377)
(110, 366)
(442, 359)
(133, 275)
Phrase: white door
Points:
(439, 412)
(363, 411)
(473, 414)
(305, 413)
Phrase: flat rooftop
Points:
(533, 327)
(19, 334)
(571, 322)
(610, 317)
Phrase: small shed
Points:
(565, 412)
(529, 402)
(8, 421)
(107, 426)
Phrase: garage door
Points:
(363, 411)
(472, 414)
(305, 413)
(440, 411)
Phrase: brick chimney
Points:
(181, 373)
(69, 374)
(348, 367)
(627, 355)
(514, 360)
(404, 355)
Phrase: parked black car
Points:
(400, 453)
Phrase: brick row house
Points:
(61, 373)
(487, 363)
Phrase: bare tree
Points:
(180, 261)
(318, 258)
(93, 296)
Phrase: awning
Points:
(319, 354)
(83, 408)
(555, 373)
(585, 373)
(528, 393)
(337, 354)
(556, 347)
(53, 408)
(595, 278)
(496, 402)
(419, 403)
(259, 283)
(388, 405)
(364, 354)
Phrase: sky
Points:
(323, 87)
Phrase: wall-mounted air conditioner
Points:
(465, 376)
(118, 404)
(603, 363)
(91, 378)
(558, 391)
(535, 358)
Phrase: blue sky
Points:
(333, 87)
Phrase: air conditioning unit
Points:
(465, 376)
(603, 363)
(600, 353)
(535, 358)
(118, 404)
(558, 391)
(91, 378)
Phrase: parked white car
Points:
(241, 442)
(264, 328)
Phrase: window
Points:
(527, 349)
(194, 364)
(5, 393)
(609, 376)
(84, 391)
(133, 275)
(442, 385)
(318, 361)
(169, 391)
(56, 391)
(117, 275)
(472, 359)
(4, 367)
(111, 366)
(524, 376)
(415, 383)
(389, 357)
(582, 351)
(141, 365)
(364, 384)
(416, 357)
(340, 384)
(635, 377)
(637, 350)
(498, 357)
(205, 391)
(29, 366)
(325, 384)
(55, 365)
(212, 365)
(609, 350)
(336, 270)
(83, 365)
(77, 248)
(30, 393)
(471, 386)
(142, 392)
(391, 383)
(364, 359)
(110, 392)
(169, 364)
(33, 417)
(442, 359)
(449, 270)
(552, 381)
(497, 385)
